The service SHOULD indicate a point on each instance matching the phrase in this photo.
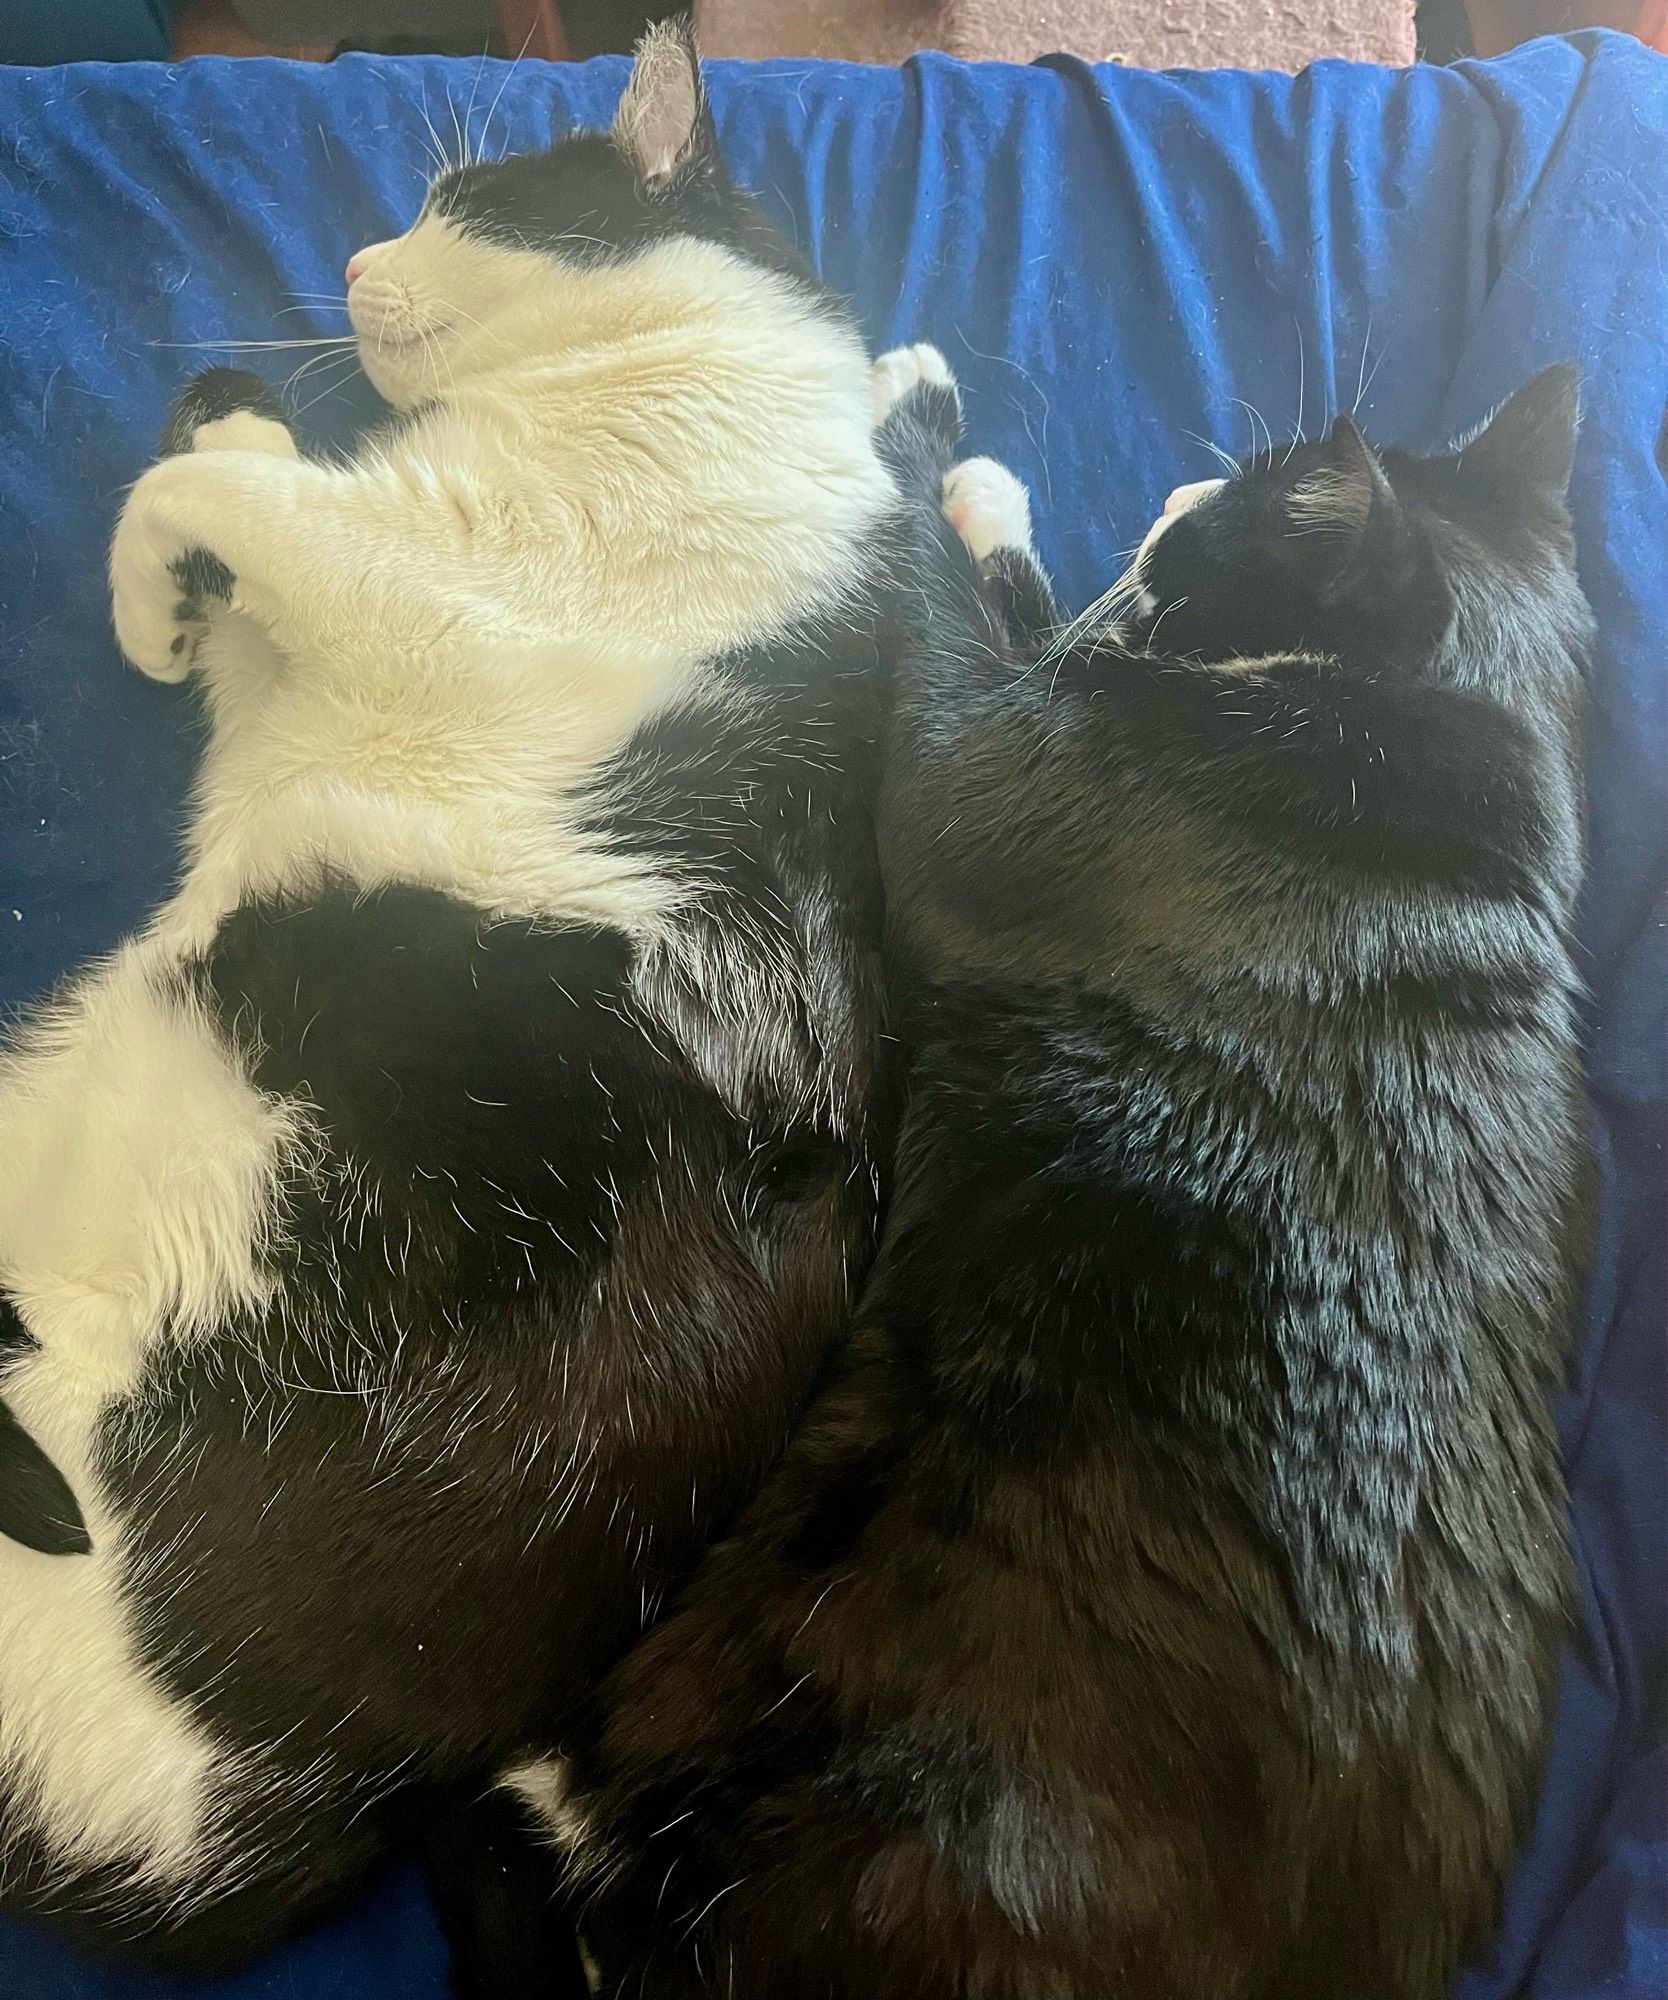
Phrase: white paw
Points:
(987, 506)
(146, 602)
(245, 430)
(901, 369)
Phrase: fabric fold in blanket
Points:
(1122, 269)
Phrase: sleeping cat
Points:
(1164, 1600)
(417, 1240)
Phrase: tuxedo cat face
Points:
(1342, 549)
(517, 254)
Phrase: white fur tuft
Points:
(901, 369)
(988, 507)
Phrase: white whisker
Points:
(457, 130)
(1373, 376)
(527, 43)
(1361, 375)
(336, 382)
(469, 108)
(1256, 417)
(1215, 450)
(258, 346)
(1105, 610)
(322, 363)
(1159, 620)
(442, 164)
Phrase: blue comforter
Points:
(1120, 266)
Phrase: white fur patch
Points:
(900, 369)
(244, 430)
(629, 471)
(1180, 502)
(988, 507)
(544, 1786)
(138, 1173)
(1184, 497)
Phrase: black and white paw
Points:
(161, 580)
(988, 507)
(227, 409)
(921, 374)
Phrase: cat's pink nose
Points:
(355, 265)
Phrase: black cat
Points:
(1164, 1601)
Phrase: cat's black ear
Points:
(663, 125)
(1332, 511)
(1530, 439)
(37, 1507)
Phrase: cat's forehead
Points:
(580, 192)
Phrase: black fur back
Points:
(1166, 1600)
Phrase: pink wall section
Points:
(1155, 34)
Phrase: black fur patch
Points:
(583, 201)
(449, 1058)
(216, 393)
(495, 1882)
(37, 1505)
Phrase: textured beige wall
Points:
(1157, 34)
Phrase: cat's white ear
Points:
(663, 125)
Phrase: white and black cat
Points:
(418, 1239)
(1164, 1600)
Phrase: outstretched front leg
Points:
(222, 410)
(918, 427)
(916, 408)
(313, 553)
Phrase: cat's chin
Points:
(403, 369)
